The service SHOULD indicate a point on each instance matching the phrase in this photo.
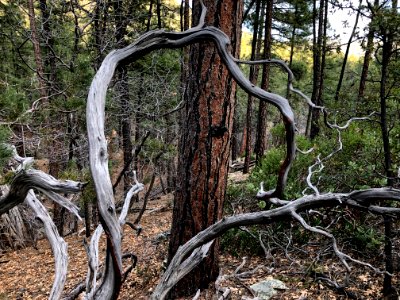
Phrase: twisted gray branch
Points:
(360, 200)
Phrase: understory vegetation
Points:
(346, 132)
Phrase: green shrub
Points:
(238, 242)
(5, 151)
(354, 167)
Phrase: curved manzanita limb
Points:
(95, 115)
(26, 180)
(57, 243)
(93, 248)
(359, 200)
(21, 190)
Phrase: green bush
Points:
(5, 151)
(238, 242)
(354, 167)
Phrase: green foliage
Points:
(366, 238)
(238, 242)
(341, 173)
(360, 236)
(71, 172)
(5, 151)
(299, 69)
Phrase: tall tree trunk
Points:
(54, 170)
(253, 79)
(159, 14)
(123, 91)
(261, 138)
(292, 42)
(37, 51)
(205, 141)
(387, 52)
(50, 59)
(150, 14)
(317, 49)
(323, 52)
(235, 137)
(236, 148)
(346, 55)
(46, 88)
(368, 54)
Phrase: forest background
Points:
(51, 51)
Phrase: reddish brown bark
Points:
(37, 51)
(261, 139)
(205, 141)
(253, 77)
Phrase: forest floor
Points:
(28, 273)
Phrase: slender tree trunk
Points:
(150, 14)
(170, 164)
(205, 142)
(253, 79)
(387, 52)
(100, 25)
(159, 25)
(123, 91)
(37, 51)
(236, 147)
(50, 59)
(261, 138)
(346, 55)
(323, 52)
(317, 49)
(54, 169)
(235, 138)
(292, 42)
(367, 56)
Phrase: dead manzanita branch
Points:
(289, 209)
(21, 190)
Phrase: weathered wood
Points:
(95, 115)
(21, 190)
(25, 180)
(57, 243)
(93, 248)
(359, 200)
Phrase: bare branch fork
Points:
(93, 249)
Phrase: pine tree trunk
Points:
(50, 59)
(235, 138)
(367, 56)
(123, 92)
(387, 52)
(317, 51)
(37, 52)
(261, 138)
(253, 79)
(323, 51)
(346, 55)
(205, 142)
